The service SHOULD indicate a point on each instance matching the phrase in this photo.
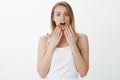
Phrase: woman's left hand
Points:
(71, 36)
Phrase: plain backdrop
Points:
(22, 22)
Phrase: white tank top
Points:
(62, 65)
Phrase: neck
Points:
(63, 41)
(63, 38)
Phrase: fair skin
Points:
(62, 36)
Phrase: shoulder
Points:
(82, 36)
(43, 39)
(82, 41)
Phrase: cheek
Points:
(68, 20)
(57, 21)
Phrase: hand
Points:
(54, 39)
(71, 37)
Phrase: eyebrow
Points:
(60, 12)
(57, 12)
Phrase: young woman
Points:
(63, 54)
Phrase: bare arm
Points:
(46, 48)
(81, 57)
(80, 52)
(45, 53)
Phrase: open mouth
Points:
(62, 23)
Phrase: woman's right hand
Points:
(55, 37)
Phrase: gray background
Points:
(22, 22)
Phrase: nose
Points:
(63, 17)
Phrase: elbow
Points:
(84, 73)
(41, 73)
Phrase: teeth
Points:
(62, 23)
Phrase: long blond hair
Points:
(70, 11)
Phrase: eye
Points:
(57, 14)
(66, 14)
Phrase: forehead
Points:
(60, 9)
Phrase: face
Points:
(61, 16)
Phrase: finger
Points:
(58, 33)
(55, 31)
(48, 35)
(65, 34)
(67, 31)
(71, 30)
(76, 37)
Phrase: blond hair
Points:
(70, 11)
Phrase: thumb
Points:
(76, 37)
(48, 35)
